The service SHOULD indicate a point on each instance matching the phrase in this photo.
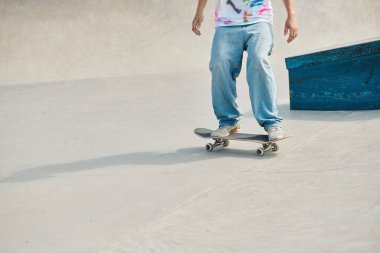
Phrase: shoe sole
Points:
(279, 138)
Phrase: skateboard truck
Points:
(267, 147)
(218, 144)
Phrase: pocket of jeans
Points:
(272, 45)
(270, 50)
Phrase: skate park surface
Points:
(98, 102)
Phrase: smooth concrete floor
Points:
(112, 165)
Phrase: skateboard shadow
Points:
(180, 156)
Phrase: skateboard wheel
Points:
(260, 151)
(209, 147)
(275, 147)
(225, 143)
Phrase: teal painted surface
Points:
(346, 78)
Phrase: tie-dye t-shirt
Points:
(241, 12)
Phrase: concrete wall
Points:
(50, 40)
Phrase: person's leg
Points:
(225, 65)
(260, 78)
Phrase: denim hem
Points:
(229, 124)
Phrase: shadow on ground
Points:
(184, 155)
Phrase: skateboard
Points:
(225, 141)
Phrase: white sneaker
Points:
(224, 131)
(275, 132)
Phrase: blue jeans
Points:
(228, 46)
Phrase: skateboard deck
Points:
(221, 142)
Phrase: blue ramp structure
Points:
(344, 78)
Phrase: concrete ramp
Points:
(53, 40)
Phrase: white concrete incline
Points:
(90, 162)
